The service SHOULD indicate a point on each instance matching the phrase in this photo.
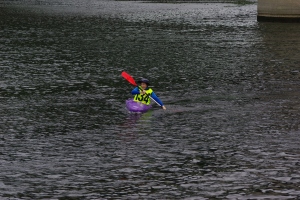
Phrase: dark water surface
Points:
(230, 85)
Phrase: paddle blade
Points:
(128, 78)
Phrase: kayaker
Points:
(142, 93)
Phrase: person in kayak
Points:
(143, 93)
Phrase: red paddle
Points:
(131, 80)
(128, 78)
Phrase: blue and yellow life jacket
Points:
(143, 98)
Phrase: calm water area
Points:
(230, 85)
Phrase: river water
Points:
(230, 85)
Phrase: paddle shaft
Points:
(149, 96)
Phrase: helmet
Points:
(144, 80)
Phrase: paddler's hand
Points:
(142, 92)
(163, 107)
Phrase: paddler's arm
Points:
(135, 91)
(153, 95)
(138, 90)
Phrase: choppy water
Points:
(230, 85)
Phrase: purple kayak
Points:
(134, 106)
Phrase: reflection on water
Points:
(230, 86)
(135, 124)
